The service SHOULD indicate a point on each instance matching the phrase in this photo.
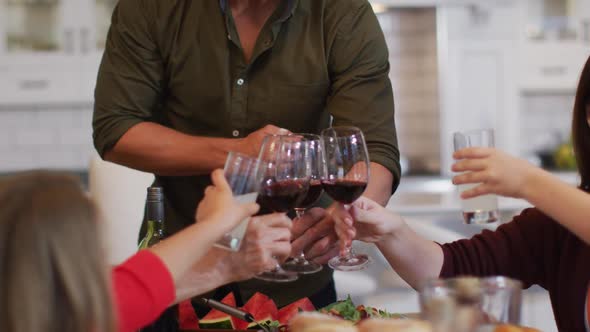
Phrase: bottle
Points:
(154, 217)
(167, 321)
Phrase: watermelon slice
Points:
(216, 319)
(261, 307)
(289, 311)
(187, 318)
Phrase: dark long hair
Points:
(52, 274)
(580, 128)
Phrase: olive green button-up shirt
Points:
(179, 63)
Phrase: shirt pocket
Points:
(297, 107)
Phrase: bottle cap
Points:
(155, 194)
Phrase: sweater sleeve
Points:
(143, 289)
(519, 250)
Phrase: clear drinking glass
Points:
(313, 155)
(285, 181)
(346, 176)
(467, 304)
(241, 172)
(482, 209)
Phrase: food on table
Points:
(513, 328)
(262, 308)
(393, 325)
(318, 322)
(347, 310)
(187, 318)
(216, 319)
(291, 310)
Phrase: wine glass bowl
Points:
(285, 181)
(314, 161)
(346, 176)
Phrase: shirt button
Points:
(240, 81)
(235, 133)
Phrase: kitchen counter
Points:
(436, 195)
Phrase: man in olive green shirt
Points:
(182, 82)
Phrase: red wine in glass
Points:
(345, 179)
(313, 157)
(285, 181)
(282, 196)
(345, 191)
(313, 194)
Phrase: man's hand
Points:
(250, 145)
(314, 233)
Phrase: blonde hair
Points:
(52, 275)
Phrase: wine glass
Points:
(345, 179)
(315, 162)
(285, 180)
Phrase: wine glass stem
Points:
(299, 212)
(347, 252)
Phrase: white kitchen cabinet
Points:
(551, 66)
(477, 80)
(50, 48)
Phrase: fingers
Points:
(310, 218)
(470, 165)
(314, 233)
(279, 220)
(281, 251)
(321, 247)
(249, 210)
(473, 153)
(471, 177)
(482, 189)
(219, 180)
(323, 259)
(365, 203)
(274, 130)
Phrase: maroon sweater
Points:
(535, 249)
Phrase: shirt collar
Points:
(289, 10)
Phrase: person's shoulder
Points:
(150, 8)
(337, 15)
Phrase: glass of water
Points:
(482, 209)
(241, 172)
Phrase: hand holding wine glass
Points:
(312, 154)
(345, 179)
(285, 181)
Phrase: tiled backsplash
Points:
(411, 37)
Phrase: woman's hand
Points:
(495, 171)
(267, 239)
(372, 222)
(219, 206)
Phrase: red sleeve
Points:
(143, 289)
(519, 249)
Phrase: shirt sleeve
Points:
(520, 250)
(129, 81)
(361, 93)
(143, 289)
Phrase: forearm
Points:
(180, 251)
(564, 203)
(210, 272)
(413, 257)
(153, 148)
(380, 183)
